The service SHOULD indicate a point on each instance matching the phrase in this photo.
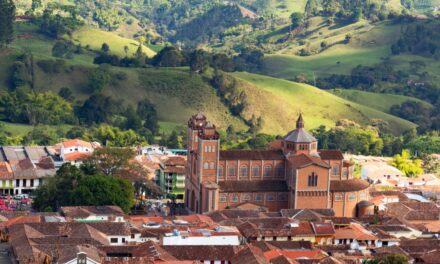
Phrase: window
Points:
(243, 171)
(282, 196)
(220, 171)
(336, 169)
(280, 171)
(256, 171)
(213, 200)
(206, 165)
(352, 197)
(246, 197)
(231, 171)
(338, 197)
(114, 240)
(269, 197)
(258, 197)
(223, 198)
(212, 166)
(123, 240)
(267, 171)
(234, 198)
(313, 179)
(213, 149)
(32, 182)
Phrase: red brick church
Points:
(290, 173)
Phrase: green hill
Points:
(379, 101)
(94, 38)
(370, 45)
(279, 102)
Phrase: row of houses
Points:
(24, 168)
(104, 234)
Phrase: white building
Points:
(76, 150)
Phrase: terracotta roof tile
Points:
(249, 255)
(350, 185)
(74, 156)
(76, 142)
(304, 160)
(331, 154)
(202, 252)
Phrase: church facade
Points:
(290, 174)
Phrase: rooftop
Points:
(351, 185)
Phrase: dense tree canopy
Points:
(7, 18)
(71, 186)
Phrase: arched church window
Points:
(256, 171)
(206, 165)
(280, 171)
(243, 171)
(220, 171)
(232, 171)
(267, 171)
(212, 165)
(336, 169)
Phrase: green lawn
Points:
(284, 8)
(279, 102)
(369, 45)
(337, 61)
(23, 129)
(95, 38)
(379, 101)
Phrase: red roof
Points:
(76, 156)
(76, 142)
(310, 254)
(303, 160)
(331, 154)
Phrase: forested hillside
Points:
(128, 72)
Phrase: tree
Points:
(7, 18)
(147, 111)
(41, 135)
(168, 57)
(20, 75)
(73, 187)
(173, 140)
(98, 79)
(357, 15)
(199, 61)
(61, 49)
(67, 94)
(403, 162)
(348, 38)
(297, 19)
(133, 120)
(105, 47)
(26, 106)
(36, 4)
(111, 161)
(311, 8)
(97, 109)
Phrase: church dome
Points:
(300, 135)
